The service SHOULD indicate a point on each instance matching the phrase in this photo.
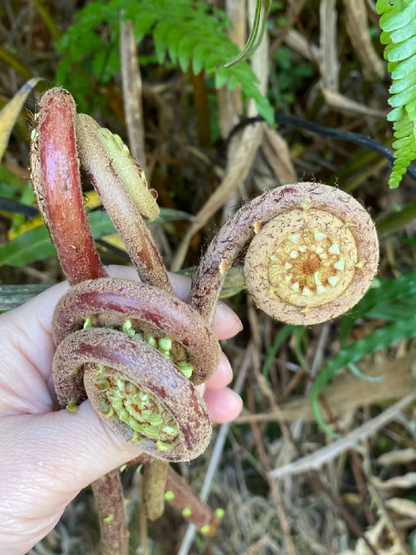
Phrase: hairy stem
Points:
(107, 179)
(111, 513)
(181, 496)
(288, 272)
(56, 181)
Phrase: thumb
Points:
(51, 457)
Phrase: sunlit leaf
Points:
(11, 111)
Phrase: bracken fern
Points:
(190, 32)
(398, 22)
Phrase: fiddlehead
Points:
(312, 254)
(133, 349)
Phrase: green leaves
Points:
(35, 245)
(189, 32)
(392, 300)
(373, 342)
(10, 113)
(398, 23)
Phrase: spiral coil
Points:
(133, 349)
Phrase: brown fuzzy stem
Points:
(119, 204)
(129, 383)
(110, 302)
(313, 254)
(181, 496)
(57, 185)
(155, 473)
(111, 513)
(88, 362)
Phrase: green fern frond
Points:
(398, 22)
(189, 32)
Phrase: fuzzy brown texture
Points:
(111, 302)
(57, 186)
(120, 207)
(112, 514)
(74, 372)
(155, 473)
(357, 240)
(201, 514)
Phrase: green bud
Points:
(72, 406)
(88, 324)
(100, 371)
(169, 495)
(150, 340)
(186, 512)
(219, 513)
(127, 325)
(165, 343)
(205, 529)
(155, 420)
(123, 415)
(123, 467)
(186, 369)
(150, 431)
(130, 388)
(162, 446)
(169, 430)
(108, 519)
(103, 385)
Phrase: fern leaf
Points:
(398, 22)
(189, 31)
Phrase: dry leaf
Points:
(344, 105)
(357, 27)
(328, 55)
(406, 481)
(11, 111)
(403, 507)
(278, 156)
(402, 456)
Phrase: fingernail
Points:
(224, 311)
(227, 364)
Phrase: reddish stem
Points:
(184, 498)
(111, 514)
(56, 181)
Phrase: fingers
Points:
(49, 459)
(223, 375)
(224, 405)
(37, 313)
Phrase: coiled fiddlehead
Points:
(133, 349)
(398, 22)
(312, 252)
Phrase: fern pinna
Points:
(192, 33)
(398, 23)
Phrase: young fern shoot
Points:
(312, 252)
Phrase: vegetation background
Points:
(285, 485)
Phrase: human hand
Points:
(48, 456)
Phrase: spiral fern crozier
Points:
(312, 252)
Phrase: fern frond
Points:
(398, 22)
(189, 32)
